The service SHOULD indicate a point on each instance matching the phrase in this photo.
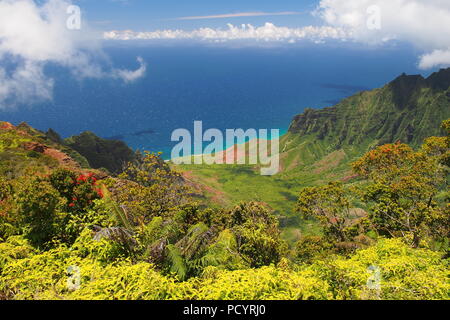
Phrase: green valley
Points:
(363, 189)
(321, 144)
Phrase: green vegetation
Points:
(374, 225)
(407, 274)
(66, 235)
(111, 155)
(321, 145)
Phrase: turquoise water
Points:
(260, 88)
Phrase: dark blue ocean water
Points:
(224, 87)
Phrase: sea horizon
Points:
(259, 88)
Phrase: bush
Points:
(258, 237)
(80, 191)
(13, 249)
(266, 283)
(310, 248)
(403, 273)
(36, 204)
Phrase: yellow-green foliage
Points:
(15, 160)
(15, 248)
(45, 276)
(406, 273)
(266, 283)
(103, 250)
(11, 140)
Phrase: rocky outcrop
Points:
(6, 126)
(62, 158)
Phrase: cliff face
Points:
(408, 109)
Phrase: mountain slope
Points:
(101, 153)
(321, 144)
(22, 147)
(408, 109)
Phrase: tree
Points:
(257, 233)
(150, 189)
(330, 205)
(36, 205)
(402, 187)
(309, 248)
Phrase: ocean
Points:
(225, 87)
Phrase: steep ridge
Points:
(321, 143)
(23, 146)
(408, 109)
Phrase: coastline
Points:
(227, 149)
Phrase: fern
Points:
(119, 212)
(223, 253)
(195, 240)
(177, 263)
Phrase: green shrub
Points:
(257, 233)
(36, 204)
(404, 273)
(309, 248)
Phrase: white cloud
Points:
(423, 23)
(267, 32)
(26, 82)
(32, 36)
(129, 75)
(435, 58)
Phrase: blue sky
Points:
(143, 15)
